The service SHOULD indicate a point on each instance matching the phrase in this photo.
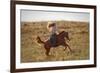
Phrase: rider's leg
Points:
(53, 39)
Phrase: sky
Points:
(31, 15)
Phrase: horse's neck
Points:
(61, 35)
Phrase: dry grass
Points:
(31, 51)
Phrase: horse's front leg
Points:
(65, 48)
(69, 48)
(66, 45)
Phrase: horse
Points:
(61, 40)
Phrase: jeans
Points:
(53, 39)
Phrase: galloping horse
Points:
(60, 41)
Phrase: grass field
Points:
(31, 51)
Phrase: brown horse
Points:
(60, 41)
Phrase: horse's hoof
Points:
(47, 55)
(64, 50)
(69, 52)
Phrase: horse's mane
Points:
(61, 32)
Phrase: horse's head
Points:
(67, 35)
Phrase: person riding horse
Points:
(60, 40)
(53, 33)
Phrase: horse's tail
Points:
(39, 40)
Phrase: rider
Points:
(53, 33)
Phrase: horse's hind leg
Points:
(47, 51)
